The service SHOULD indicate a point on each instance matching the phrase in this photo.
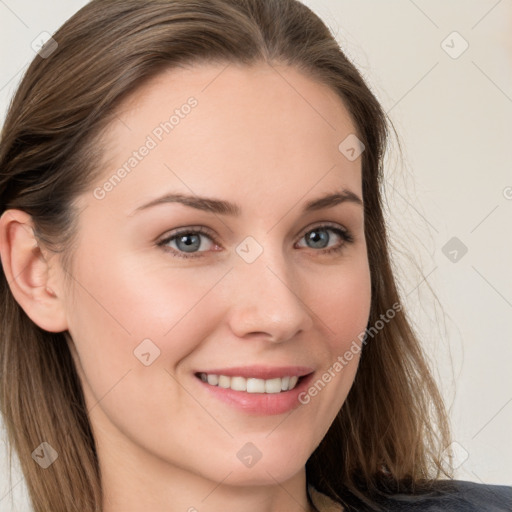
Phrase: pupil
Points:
(190, 243)
(316, 236)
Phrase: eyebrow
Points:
(222, 207)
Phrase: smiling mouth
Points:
(251, 385)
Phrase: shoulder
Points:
(456, 496)
(451, 495)
(322, 502)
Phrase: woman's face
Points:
(255, 296)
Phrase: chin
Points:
(262, 474)
(267, 461)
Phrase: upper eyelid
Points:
(185, 230)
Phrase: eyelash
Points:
(344, 234)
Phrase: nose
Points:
(266, 299)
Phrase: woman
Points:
(198, 309)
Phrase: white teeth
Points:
(251, 385)
(273, 386)
(238, 383)
(255, 386)
(224, 382)
(212, 379)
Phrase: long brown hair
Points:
(392, 429)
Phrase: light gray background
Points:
(453, 118)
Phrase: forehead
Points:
(267, 130)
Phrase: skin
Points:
(268, 140)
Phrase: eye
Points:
(319, 238)
(188, 240)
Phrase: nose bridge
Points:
(266, 297)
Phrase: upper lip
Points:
(260, 372)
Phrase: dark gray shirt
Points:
(447, 495)
(457, 496)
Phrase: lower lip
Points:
(262, 404)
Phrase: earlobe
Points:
(28, 273)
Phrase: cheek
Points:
(120, 303)
(344, 309)
(125, 316)
(344, 304)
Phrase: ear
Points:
(27, 271)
